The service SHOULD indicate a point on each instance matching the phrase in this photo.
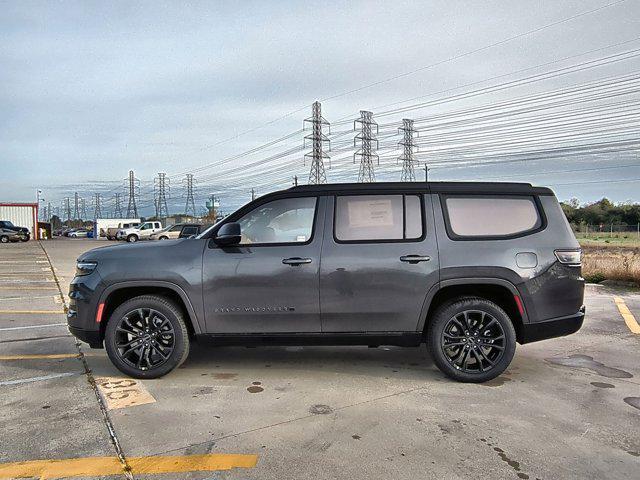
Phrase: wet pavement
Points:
(566, 408)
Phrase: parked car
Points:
(7, 236)
(179, 230)
(469, 269)
(112, 232)
(23, 233)
(142, 232)
(79, 233)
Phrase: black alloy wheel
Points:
(146, 337)
(471, 339)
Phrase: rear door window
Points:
(378, 218)
(472, 216)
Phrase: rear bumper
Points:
(555, 327)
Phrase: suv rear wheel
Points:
(4, 239)
(471, 339)
(132, 238)
(146, 337)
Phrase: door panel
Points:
(264, 289)
(377, 286)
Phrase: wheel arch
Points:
(116, 294)
(500, 291)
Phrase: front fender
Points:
(195, 321)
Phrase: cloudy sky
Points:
(90, 90)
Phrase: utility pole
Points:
(295, 181)
(38, 192)
(97, 213)
(161, 195)
(408, 173)
(132, 209)
(117, 210)
(426, 173)
(253, 194)
(76, 208)
(49, 212)
(366, 152)
(190, 207)
(317, 154)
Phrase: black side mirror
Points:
(229, 234)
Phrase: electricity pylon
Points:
(190, 207)
(132, 208)
(318, 139)
(160, 195)
(97, 212)
(408, 146)
(117, 210)
(366, 152)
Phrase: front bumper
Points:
(555, 327)
(92, 337)
(84, 294)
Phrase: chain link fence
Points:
(619, 231)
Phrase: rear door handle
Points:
(415, 258)
(293, 261)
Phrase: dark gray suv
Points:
(468, 269)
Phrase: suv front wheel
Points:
(471, 339)
(146, 337)
(132, 238)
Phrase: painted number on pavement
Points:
(123, 392)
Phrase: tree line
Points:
(602, 212)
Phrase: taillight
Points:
(569, 257)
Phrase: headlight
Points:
(569, 257)
(85, 268)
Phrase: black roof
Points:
(433, 187)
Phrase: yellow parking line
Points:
(102, 466)
(47, 356)
(26, 287)
(29, 312)
(629, 319)
(39, 356)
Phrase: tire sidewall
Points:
(440, 320)
(171, 312)
(4, 239)
(132, 239)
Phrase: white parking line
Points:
(38, 379)
(33, 326)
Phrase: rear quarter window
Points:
(486, 216)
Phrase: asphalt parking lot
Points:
(566, 408)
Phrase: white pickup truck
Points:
(141, 232)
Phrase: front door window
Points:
(289, 220)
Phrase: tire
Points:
(24, 239)
(163, 238)
(462, 350)
(132, 238)
(140, 362)
(4, 239)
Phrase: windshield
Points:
(8, 224)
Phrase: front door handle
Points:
(293, 261)
(415, 258)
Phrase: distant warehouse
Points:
(21, 215)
